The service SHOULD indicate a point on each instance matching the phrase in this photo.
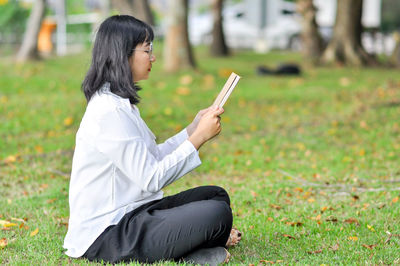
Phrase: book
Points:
(226, 91)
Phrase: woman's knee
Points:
(219, 193)
(220, 212)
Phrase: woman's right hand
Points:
(209, 126)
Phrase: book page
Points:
(226, 90)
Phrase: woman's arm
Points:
(121, 142)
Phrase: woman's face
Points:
(141, 61)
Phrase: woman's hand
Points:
(208, 127)
(192, 127)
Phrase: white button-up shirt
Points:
(117, 167)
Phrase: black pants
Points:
(168, 228)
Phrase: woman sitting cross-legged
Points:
(117, 209)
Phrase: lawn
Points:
(311, 162)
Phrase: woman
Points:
(117, 208)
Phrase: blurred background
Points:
(31, 29)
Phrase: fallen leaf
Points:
(276, 207)
(183, 91)
(68, 121)
(334, 247)
(352, 221)
(186, 79)
(353, 238)
(310, 200)
(267, 261)
(396, 199)
(5, 223)
(270, 219)
(34, 232)
(168, 111)
(17, 219)
(39, 149)
(331, 219)
(3, 243)
(369, 246)
(10, 159)
(298, 189)
(253, 193)
(294, 223)
(289, 236)
(370, 228)
(51, 200)
(315, 251)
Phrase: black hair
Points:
(115, 39)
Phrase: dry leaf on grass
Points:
(352, 221)
(315, 251)
(34, 232)
(276, 207)
(3, 243)
(289, 236)
(334, 247)
(369, 246)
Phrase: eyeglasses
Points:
(148, 51)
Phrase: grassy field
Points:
(311, 162)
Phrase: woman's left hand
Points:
(192, 127)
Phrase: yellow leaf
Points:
(168, 111)
(18, 219)
(362, 152)
(370, 228)
(34, 232)
(39, 149)
(396, 199)
(5, 223)
(3, 243)
(10, 159)
(68, 121)
(186, 80)
(183, 91)
(311, 200)
(3, 99)
(353, 238)
(347, 159)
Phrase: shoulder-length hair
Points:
(116, 37)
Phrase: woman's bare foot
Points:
(234, 238)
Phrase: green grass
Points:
(300, 156)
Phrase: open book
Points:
(226, 90)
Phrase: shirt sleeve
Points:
(120, 140)
(172, 143)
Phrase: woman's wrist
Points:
(197, 140)
(190, 129)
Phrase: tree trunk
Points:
(28, 48)
(345, 46)
(140, 9)
(312, 43)
(177, 48)
(218, 46)
(395, 57)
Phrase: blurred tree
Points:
(345, 46)
(140, 9)
(395, 57)
(312, 43)
(177, 49)
(29, 48)
(218, 45)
